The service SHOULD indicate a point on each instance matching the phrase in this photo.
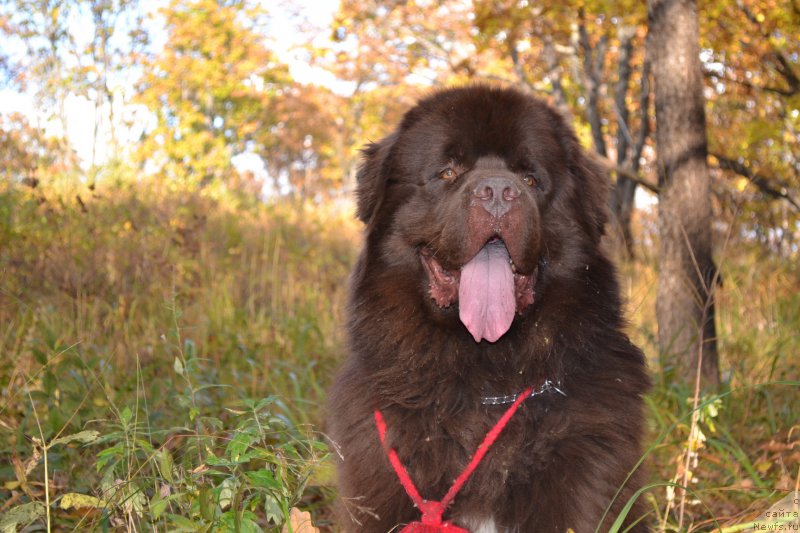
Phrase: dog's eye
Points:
(530, 179)
(448, 174)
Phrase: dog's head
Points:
(478, 190)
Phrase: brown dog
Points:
(482, 276)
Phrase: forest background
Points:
(176, 229)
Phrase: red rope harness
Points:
(432, 511)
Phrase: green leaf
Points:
(207, 503)
(178, 366)
(238, 447)
(213, 460)
(39, 355)
(189, 349)
(145, 445)
(125, 416)
(226, 493)
(247, 522)
(264, 402)
(109, 455)
(264, 479)
(137, 501)
(273, 510)
(22, 515)
(181, 523)
(165, 464)
(157, 506)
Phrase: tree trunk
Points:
(686, 281)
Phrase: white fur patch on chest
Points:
(483, 525)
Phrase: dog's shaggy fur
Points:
(472, 172)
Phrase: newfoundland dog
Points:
(490, 386)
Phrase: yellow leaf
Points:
(77, 500)
(741, 184)
(84, 437)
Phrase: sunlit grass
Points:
(741, 448)
(194, 332)
(168, 351)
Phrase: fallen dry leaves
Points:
(299, 522)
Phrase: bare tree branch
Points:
(626, 172)
(523, 77)
(550, 56)
(764, 183)
(743, 83)
(644, 106)
(592, 67)
(782, 65)
(624, 138)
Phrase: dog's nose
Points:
(496, 195)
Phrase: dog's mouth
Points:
(488, 289)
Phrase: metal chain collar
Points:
(511, 398)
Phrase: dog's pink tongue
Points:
(486, 293)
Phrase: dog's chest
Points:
(484, 525)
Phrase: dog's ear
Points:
(371, 178)
(594, 187)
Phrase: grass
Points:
(739, 451)
(166, 352)
(190, 334)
